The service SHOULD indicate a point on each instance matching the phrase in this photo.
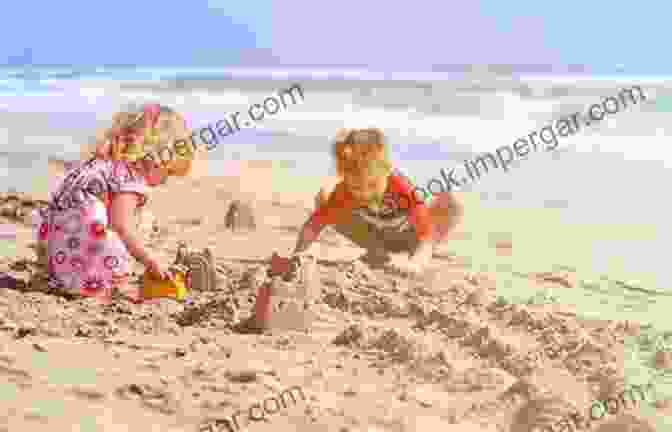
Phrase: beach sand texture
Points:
(386, 353)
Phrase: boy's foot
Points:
(407, 269)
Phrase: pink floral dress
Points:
(84, 255)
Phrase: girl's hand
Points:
(154, 267)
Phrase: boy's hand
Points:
(307, 236)
(279, 264)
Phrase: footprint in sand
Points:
(88, 393)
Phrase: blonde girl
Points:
(87, 226)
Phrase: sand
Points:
(386, 353)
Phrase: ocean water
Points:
(608, 174)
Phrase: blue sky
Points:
(410, 35)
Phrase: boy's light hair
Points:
(358, 150)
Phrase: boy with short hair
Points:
(374, 205)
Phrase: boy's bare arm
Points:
(309, 233)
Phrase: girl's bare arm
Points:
(121, 209)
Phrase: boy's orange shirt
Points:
(341, 205)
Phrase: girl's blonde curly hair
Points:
(151, 133)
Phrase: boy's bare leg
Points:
(447, 212)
